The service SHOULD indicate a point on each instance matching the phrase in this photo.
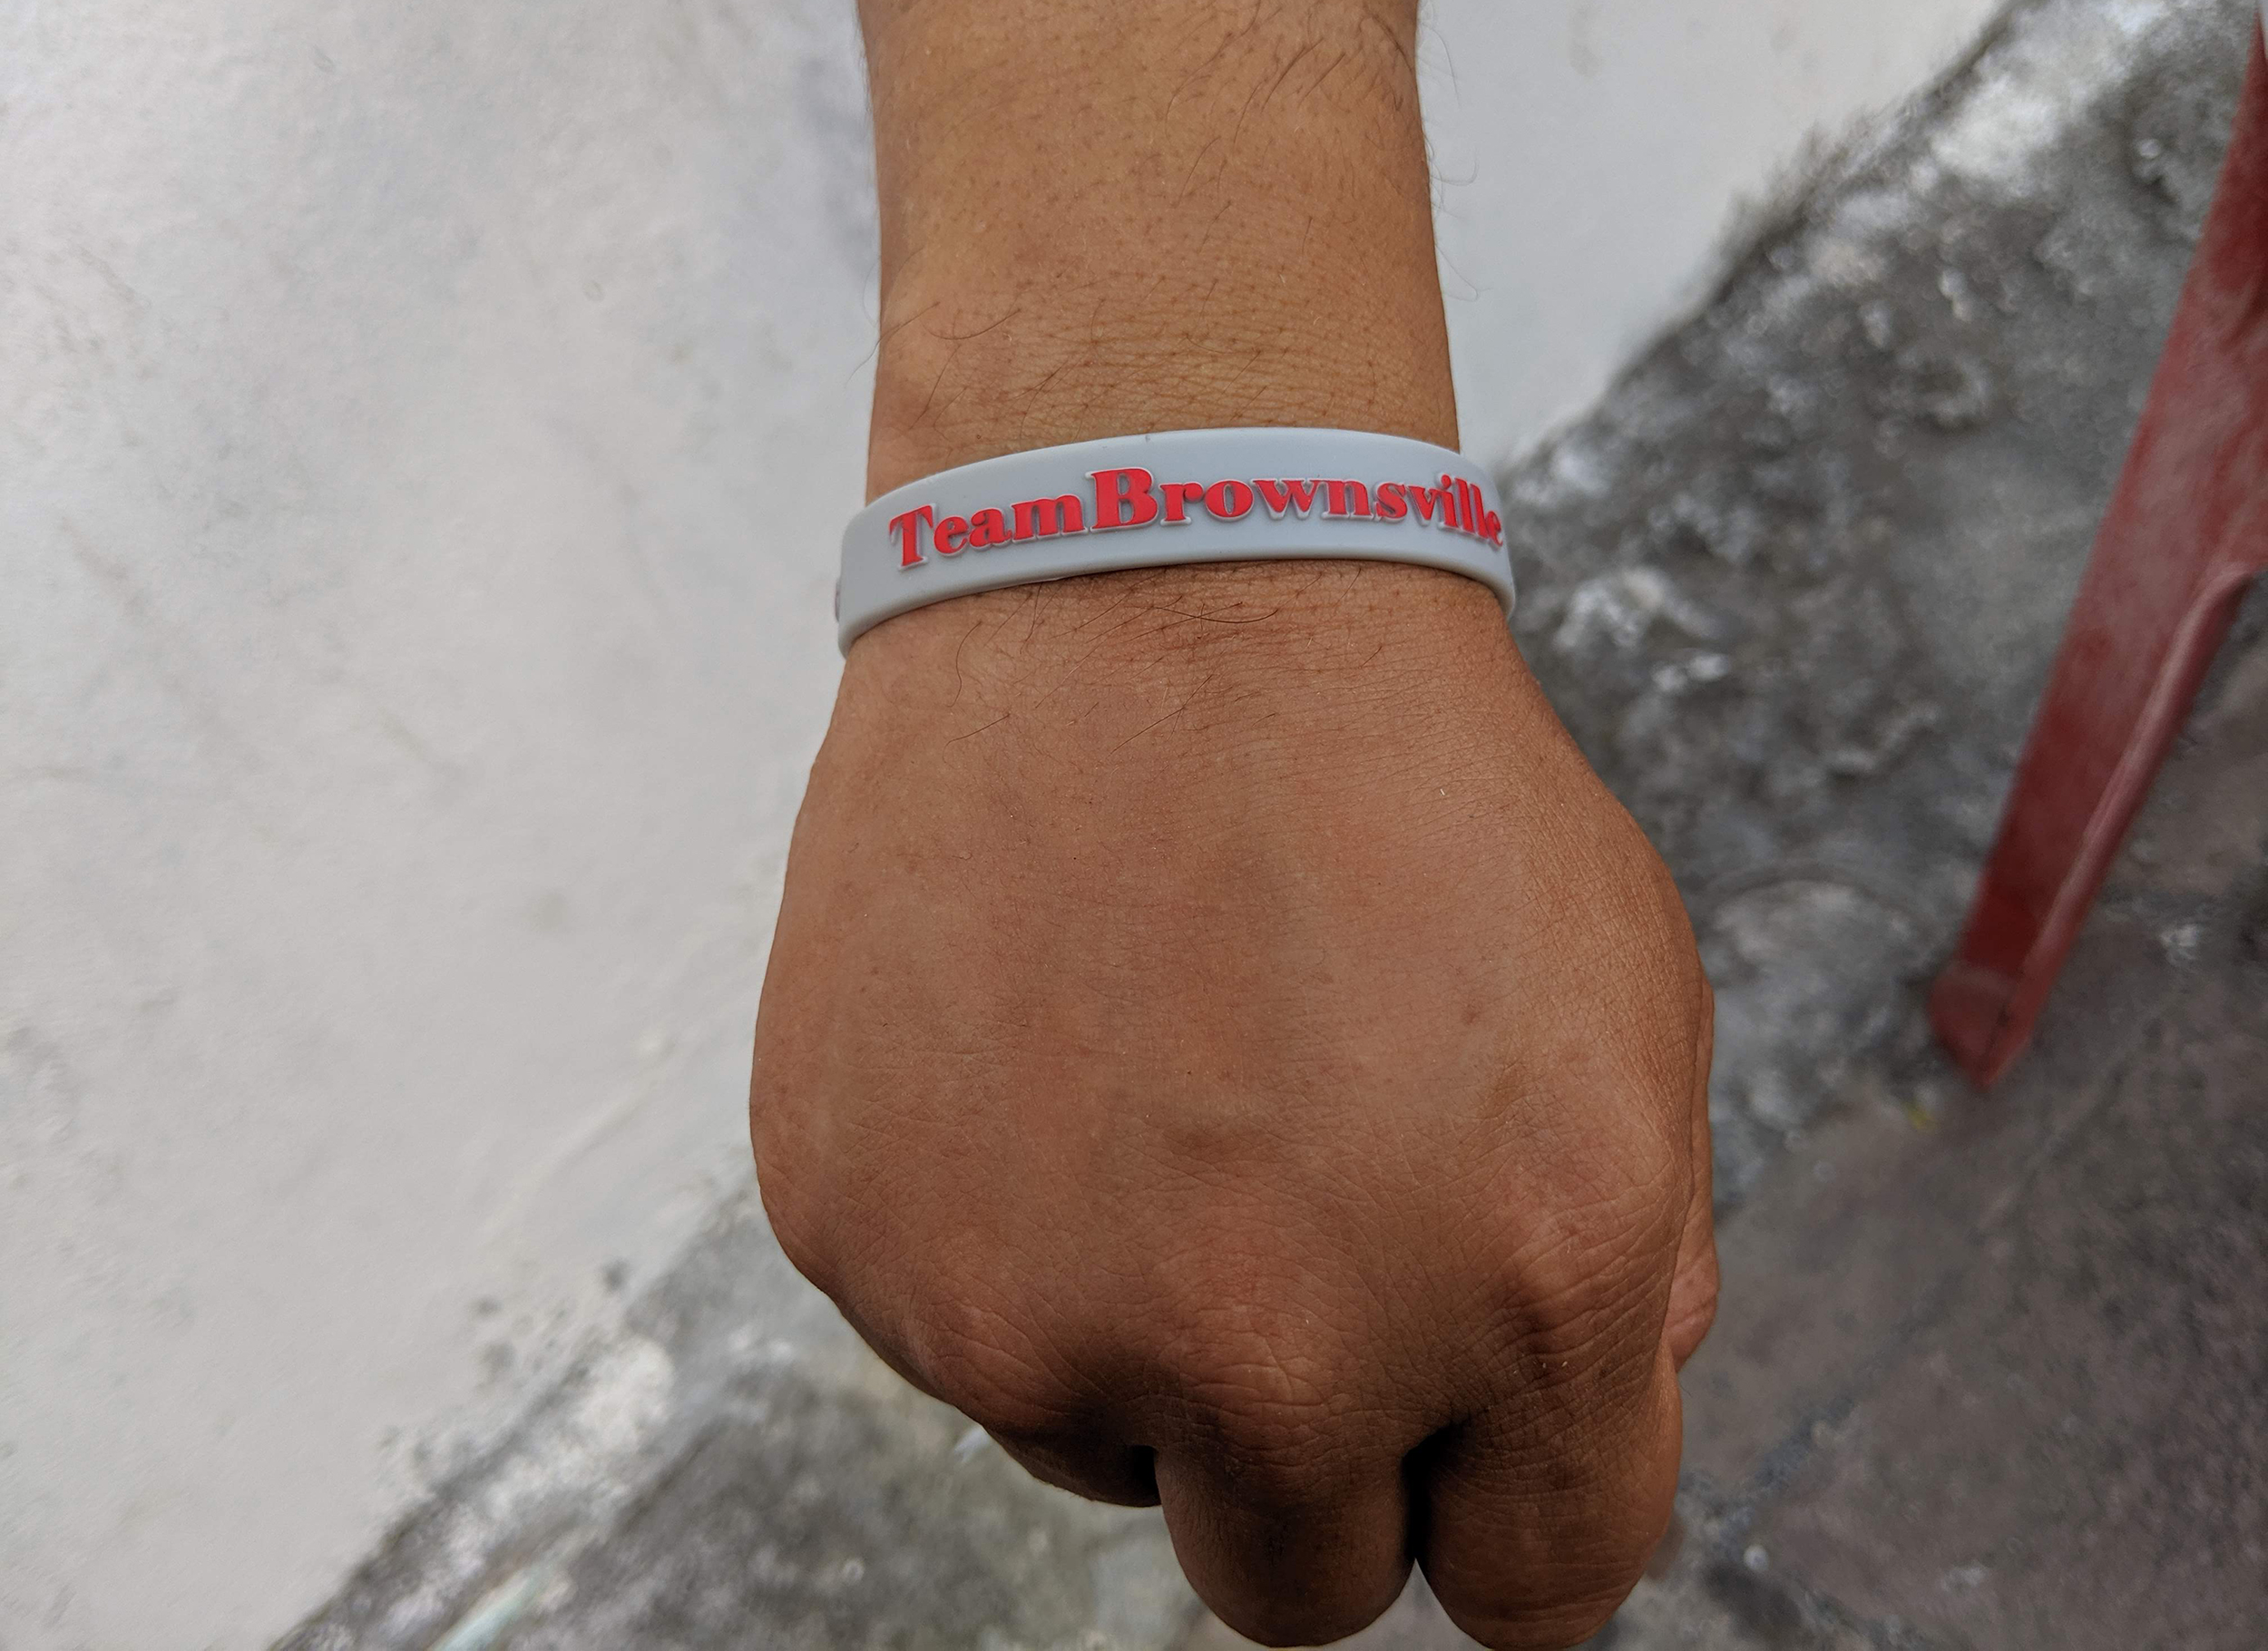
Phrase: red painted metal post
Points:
(2186, 532)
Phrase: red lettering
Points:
(1394, 504)
(1045, 518)
(1492, 528)
(1178, 496)
(1339, 496)
(1450, 501)
(987, 528)
(1123, 498)
(952, 528)
(1228, 500)
(1422, 500)
(1281, 496)
(906, 530)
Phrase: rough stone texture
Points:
(1988, 1373)
(1795, 586)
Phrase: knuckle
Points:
(1607, 1226)
(997, 1373)
(1274, 1418)
(1693, 1307)
(1705, 1288)
(1577, 1306)
(1273, 1442)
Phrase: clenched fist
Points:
(1222, 1037)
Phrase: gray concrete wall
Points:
(422, 433)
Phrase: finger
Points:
(1056, 1432)
(1693, 1295)
(1537, 1516)
(1285, 1550)
(1074, 1450)
(1060, 1443)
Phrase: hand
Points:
(1222, 1037)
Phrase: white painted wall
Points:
(1593, 154)
(423, 431)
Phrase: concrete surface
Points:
(1989, 1375)
(401, 711)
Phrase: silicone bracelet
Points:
(1156, 500)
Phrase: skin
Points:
(1221, 1035)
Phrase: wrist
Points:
(1231, 651)
(1158, 215)
(1164, 214)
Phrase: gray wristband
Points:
(1156, 500)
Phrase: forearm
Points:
(1104, 219)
